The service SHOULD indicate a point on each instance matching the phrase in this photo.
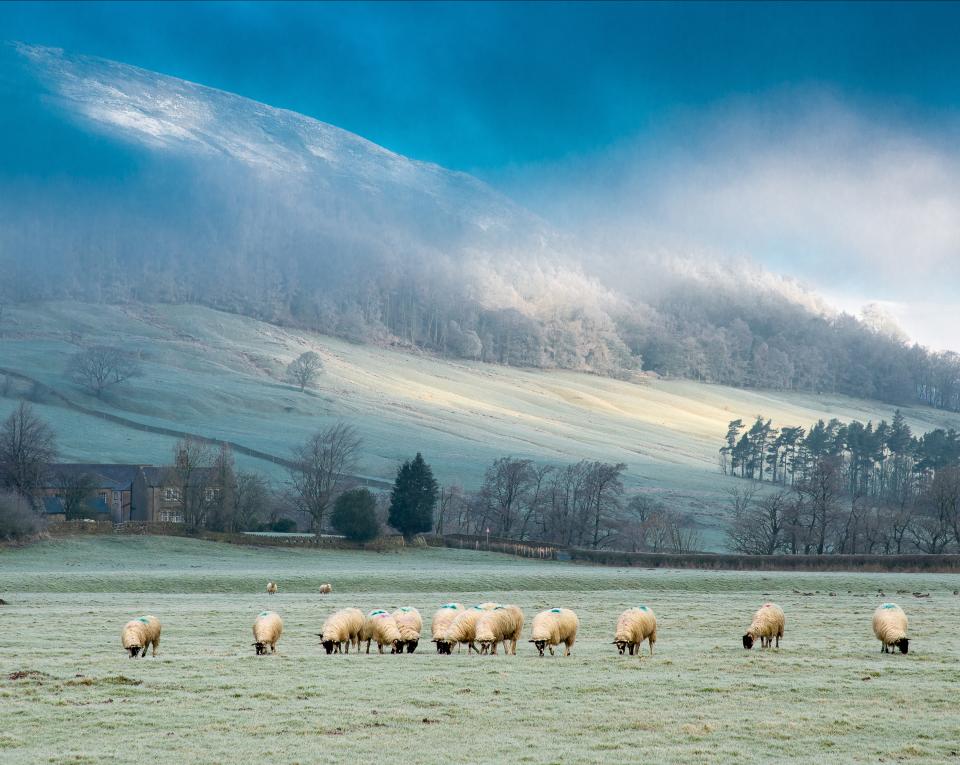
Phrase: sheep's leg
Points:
(368, 646)
(551, 650)
(155, 644)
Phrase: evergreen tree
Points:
(355, 515)
(413, 498)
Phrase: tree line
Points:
(842, 488)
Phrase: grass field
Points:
(70, 695)
(221, 375)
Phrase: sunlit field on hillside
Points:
(70, 694)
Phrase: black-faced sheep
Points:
(267, 628)
(342, 629)
(442, 619)
(410, 625)
(890, 626)
(381, 627)
(767, 625)
(139, 634)
(633, 627)
(502, 624)
(463, 629)
(555, 626)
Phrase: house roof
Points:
(115, 477)
(160, 476)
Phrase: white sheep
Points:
(502, 624)
(381, 627)
(767, 625)
(890, 626)
(267, 628)
(410, 625)
(138, 634)
(441, 621)
(326, 589)
(271, 588)
(555, 626)
(463, 629)
(342, 627)
(633, 627)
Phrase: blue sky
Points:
(816, 139)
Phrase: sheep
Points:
(463, 629)
(326, 589)
(410, 624)
(504, 623)
(633, 627)
(767, 625)
(441, 621)
(890, 627)
(382, 628)
(139, 634)
(344, 626)
(267, 628)
(271, 588)
(555, 626)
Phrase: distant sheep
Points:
(326, 589)
(383, 631)
(441, 621)
(267, 628)
(463, 629)
(342, 627)
(140, 633)
(502, 624)
(633, 627)
(550, 628)
(271, 588)
(767, 625)
(410, 625)
(890, 626)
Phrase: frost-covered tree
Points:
(304, 369)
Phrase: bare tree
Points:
(759, 524)
(303, 370)
(504, 490)
(76, 490)
(322, 469)
(251, 494)
(102, 366)
(27, 447)
(192, 473)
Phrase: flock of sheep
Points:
(490, 624)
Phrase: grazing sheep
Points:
(633, 627)
(410, 624)
(384, 631)
(463, 629)
(267, 628)
(502, 624)
(441, 621)
(550, 628)
(271, 588)
(140, 633)
(342, 627)
(890, 627)
(767, 625)
(326, 589)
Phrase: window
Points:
(211, 495)
(169, 516)
(171, 494)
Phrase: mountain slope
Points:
(219, 375)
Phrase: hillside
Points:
(220, 375)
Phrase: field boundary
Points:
(711, 561)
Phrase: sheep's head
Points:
(261, 648)
(486, 646)
(540, 644)
(412, 645)
(621, 645)
(903, 644)
(135, 649)
(748, 641)
(328, 645)
(444, 647)
(396, 646)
